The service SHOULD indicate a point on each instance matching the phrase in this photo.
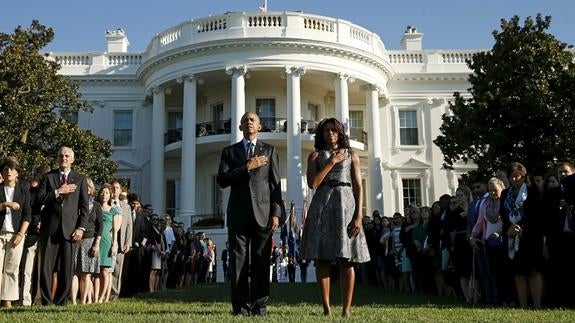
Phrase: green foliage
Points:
(31, 92)
(521, 106)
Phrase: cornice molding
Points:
(411, 77)
(319, 48)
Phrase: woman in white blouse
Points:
(15, 215)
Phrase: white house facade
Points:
(170, 110)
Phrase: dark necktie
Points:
(250, 150)
(63, 179)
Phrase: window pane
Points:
(266, 110)
(122, 137)
(408, 132)
(172, 197)
(356, 119)
(408, 136)
(175, 120)
(218, 111)
(70, 116)
(312, 112)
(123, 128)
(411, 192)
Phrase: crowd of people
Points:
(115, 246)
(506, 241)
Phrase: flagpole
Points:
(264, 8)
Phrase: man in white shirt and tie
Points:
(124, 237)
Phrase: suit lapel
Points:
(18, 192)
(55, 178)
(241, 151)
(3, 193)
(72, 179)
(259, 151)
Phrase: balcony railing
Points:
(358, 134)
(282, 25)
(269, 124)
(173, 135)
(202, 129)
(279, 124)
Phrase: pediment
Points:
(412, 163)
(125, 165)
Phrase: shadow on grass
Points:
(302, 293)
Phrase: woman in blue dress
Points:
(333, 230)
(108, 245)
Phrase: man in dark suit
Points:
(251, 168)
(558, 227)
(137, 268)
(64, 194)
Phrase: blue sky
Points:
(80, 25)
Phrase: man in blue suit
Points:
(251, 169)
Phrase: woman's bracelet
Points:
(21, 234)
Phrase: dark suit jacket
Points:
(67, 212)
(555, 215)
(259, 189)
(568, 184)
(22, 197)
(141, 228)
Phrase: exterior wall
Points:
(268, 47)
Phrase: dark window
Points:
(408, 132)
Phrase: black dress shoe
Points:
(259, 311)
(242, 311)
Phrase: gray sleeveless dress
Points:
(330, 211)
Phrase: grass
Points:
(288, 303)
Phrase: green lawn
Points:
(288, 303)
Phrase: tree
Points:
(521, 106)
(31, 92)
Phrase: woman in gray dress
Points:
(333, 230)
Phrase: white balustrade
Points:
(237, 25)
(318, 24)
(264, 21)
(124, 59)
(73, 60)
(405, 58)
(213, 24)
(170, 36)
(360, 35)
(456, 58)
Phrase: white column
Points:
(238, 100)
(375, 197)
(342, 100)
(294, 155)
(188, 167)
(157, 178)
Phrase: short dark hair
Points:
(10, 163)
(41, 170)
(133, 197)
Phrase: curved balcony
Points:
(280, 25)
(269, 124)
